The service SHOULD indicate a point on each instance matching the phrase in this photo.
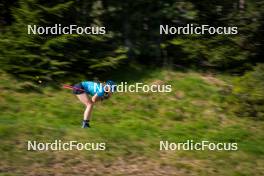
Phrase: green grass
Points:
(132, 124)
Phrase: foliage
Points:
(54, 57)
(132, 28)
(249, 93)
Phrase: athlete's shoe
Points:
(85, 124)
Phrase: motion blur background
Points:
(218, 85)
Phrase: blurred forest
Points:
(132, 36)
(132, 39)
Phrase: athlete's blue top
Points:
(93, 88)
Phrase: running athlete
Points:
(97, 91)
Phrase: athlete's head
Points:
(111, 85)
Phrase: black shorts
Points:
(78, 89)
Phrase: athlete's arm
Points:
(110, 94)
(95, 98)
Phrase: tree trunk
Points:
(241, 5)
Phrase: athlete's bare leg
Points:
(89, 106)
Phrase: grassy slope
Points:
(132, 126)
